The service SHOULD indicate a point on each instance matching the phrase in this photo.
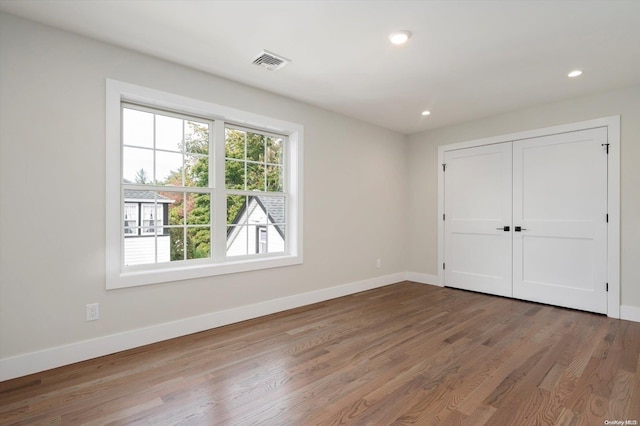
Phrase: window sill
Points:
(125, 279)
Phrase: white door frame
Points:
(613, 193)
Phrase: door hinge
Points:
(444, 167)
(606, 147)
(443, 216)
(607, 217)
(607, 286)
(443, 266)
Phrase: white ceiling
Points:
(465, 60)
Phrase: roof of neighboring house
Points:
(273, 206)
(143, 195)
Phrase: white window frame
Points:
(119, 276)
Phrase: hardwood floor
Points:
(402, 354)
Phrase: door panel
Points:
(560, 201)
(477, 207)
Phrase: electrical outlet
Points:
(93, 311)
(379, 263)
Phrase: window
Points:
(204, 189)
(254, 164)
(165, 165)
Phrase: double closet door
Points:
(528, 219)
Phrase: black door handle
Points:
(504, 228)
(519, 228)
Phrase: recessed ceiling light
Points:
(399, 37)
(425, 112)
(574, 73)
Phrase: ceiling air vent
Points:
(270, 61)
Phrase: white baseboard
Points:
(33, 362)
(422, 278)
(630, 313)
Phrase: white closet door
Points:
(477, 209)
(560, 202)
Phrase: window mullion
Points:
(184, 226)
(244, 159)
(184, 157)
(219, 196)
(154, 218)
(153, 169)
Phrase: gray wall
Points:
(365, 188)
(52, 180)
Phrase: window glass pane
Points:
(163, 241)
(254, 161)
(137, 128)
(261, 239)
(274, 150)
(256, 211)
(234, 174)
(235, 209)
(275, 178)
(175, 206)
(137, 165)
(152, 218)
(196, 137)
(198, 242)
(139, 251)
(148, 209)
(196, 172)
(131, 219)
(252, 237)
(198, 209)
(168, 168)
(236, 241)
(275, 207)
(276, 238)
(148, 248)
(169, 133)
(255, 177)
(234, 144)
(255, 147)
(176, 243)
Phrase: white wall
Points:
(52, 153)
(424, 167)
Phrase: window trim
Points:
(118, 92)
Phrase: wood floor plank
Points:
(401, 354)
(620, 395)
(633, 410)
